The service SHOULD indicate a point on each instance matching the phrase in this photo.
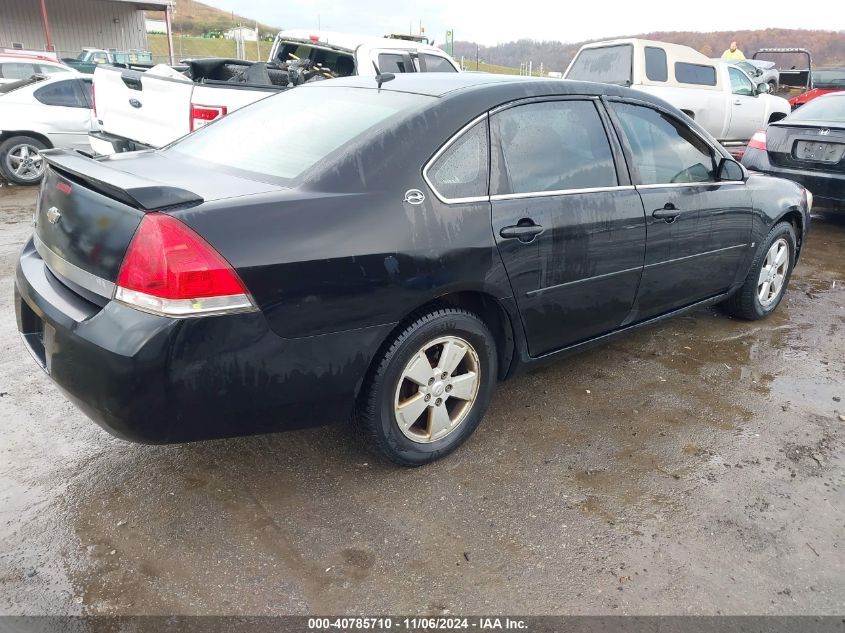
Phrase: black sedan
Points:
(389, 251)
(808, 147)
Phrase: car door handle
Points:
(668, 213)
(525, 231)
(737, 102)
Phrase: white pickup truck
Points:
(140, 110)
(720, 97)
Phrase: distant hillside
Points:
(195, 18)
(827, 47)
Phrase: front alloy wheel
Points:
(773, 273)
(21, 161)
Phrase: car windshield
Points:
(834, 78)
(826, 109)
(282, 136)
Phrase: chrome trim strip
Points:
(439, 153)
(680, 259)
(690, 184)
(533, 293)
(560, 192)
(184, 308)
(63, 268)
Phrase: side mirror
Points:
(763, 88)
(731, 171)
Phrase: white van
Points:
(721, 98)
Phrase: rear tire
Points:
(766, 283)
(429, 389)
(20, 161)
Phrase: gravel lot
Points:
(693, 467)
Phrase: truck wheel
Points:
(429, 389)
(20, 161)
(766, 283)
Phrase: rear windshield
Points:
(824, 109)
(282, 136)
(827, 79)
(339, 63)
(608, 64)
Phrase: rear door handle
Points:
(525, 231)
(738, 102)
(668, 213)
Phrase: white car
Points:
(16, 67)
(720, 97)
(39, 113)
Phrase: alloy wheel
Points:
(25, 162)
(773, 273)
(437, 389)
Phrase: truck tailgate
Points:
(143, 107)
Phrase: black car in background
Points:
(808, 147)
(390, 250)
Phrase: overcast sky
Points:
(504, 20)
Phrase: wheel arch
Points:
(794, 217)
(484, 305)
(7, 134)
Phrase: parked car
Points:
(822, 81)
(40, 113)
(139, 110)
(808, 147)
(760, 72)
(719, 97)
(16, 67)
(394, 252)
(91, 58)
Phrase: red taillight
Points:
(758, 141)
(314, 38)
(171, 270)
(203, 115)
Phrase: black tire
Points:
(745, 303)
(11, 145)
(375, 414)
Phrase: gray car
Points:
(761, 72)
(40, 113)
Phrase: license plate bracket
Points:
(819, 152)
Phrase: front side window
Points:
(461, 171)
(664, 149)
(606, 64)
(655, 64)
(61, 93)
(553, 146)
(437, 64)
(740, 84)
(253, 141)
(16, 70)
(696, 74)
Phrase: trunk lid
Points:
(88, 210)
(811, 147)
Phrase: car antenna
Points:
(382, 77)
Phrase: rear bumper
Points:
(104, 144)
(823, 185)
(154, 379)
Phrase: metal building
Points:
(66, 26)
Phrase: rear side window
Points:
(253, 141)
(608, 64)
(665, 150)
(62, 93)
(553, 146)
(16, 70)
(697, 74)
(655, 64)
(436, 64)
(461, 171)
(395, 63)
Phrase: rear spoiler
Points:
(130, 189)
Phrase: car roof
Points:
(7, 57)
(441, 84)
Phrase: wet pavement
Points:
(693, 467)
